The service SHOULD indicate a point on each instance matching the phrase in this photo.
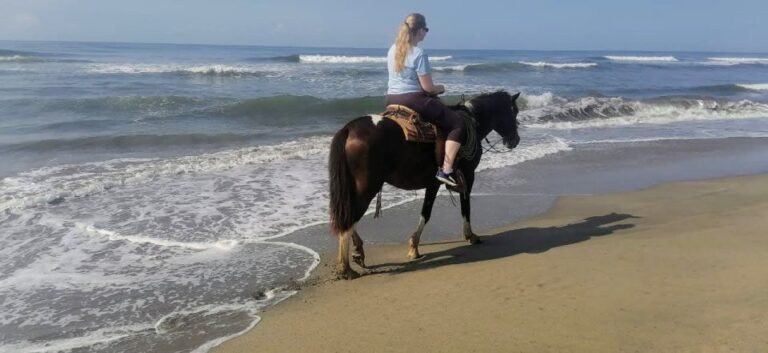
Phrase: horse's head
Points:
(497, 111)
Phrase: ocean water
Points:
(144, 188)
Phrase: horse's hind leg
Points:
(358, 254)
(343, 270)
(426, 213)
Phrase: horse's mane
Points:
(499, 99)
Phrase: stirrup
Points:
(446, 178)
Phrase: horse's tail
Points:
(342, 182)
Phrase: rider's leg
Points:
(452, 146)
(451, 149)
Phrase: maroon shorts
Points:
(432, 110)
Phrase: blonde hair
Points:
(412, 24)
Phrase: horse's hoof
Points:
(413, 255)
(473, 239)
(347, 274)
(359, 260)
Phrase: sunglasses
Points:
(425, 29)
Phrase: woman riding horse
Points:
(372, 150)
(410, 84)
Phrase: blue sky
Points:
(673, 25)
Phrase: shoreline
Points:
(650, 270)
(530, 188)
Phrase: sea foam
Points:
(754, 86)
(191, 69)
(642, 58)
(588, 112)
(737, 60)
(343, 59)
(560, 65)
(512, 66)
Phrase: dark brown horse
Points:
(370, 150)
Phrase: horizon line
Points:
(349, 47)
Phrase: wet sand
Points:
(679, 267)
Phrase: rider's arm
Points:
(428, 86)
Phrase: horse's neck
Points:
(483, 130)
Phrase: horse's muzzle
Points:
(511, 142)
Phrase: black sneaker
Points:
(447, 179)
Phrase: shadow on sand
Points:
(509, 243)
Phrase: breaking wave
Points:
(550, 111)
(21, 59)
(560, 65)
(201, 70)
(342, 59)
(754, 86)
(739, 61)
(642, 58)
(512, 66)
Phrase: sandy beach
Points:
(678, 267)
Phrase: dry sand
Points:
(680, 267)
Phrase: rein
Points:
(492, 147)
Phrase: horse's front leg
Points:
(426, 213)
(469, 235)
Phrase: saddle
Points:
(420, 131)
(414, 129)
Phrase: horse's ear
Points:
(515, 96)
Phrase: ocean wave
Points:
(738, 61)
(343, 59)
(98, 337)
(340, 59)
(512, 66)
(291, 110)
(281, 58)
(728, 88)
(355, 72)
(282, 110)
(451, 68)
(642, 58)
(562, 113)
(113, 236)
(289, 106)
(534, 101)
(127, 141)
(7, 52)
(16, 56)
(723, 89)
(52, 184)
(141, 107)
(560, 65)
(201, 70)
(21, 59)
(754, 86)
(718, 89)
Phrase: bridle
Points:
(490, 147)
